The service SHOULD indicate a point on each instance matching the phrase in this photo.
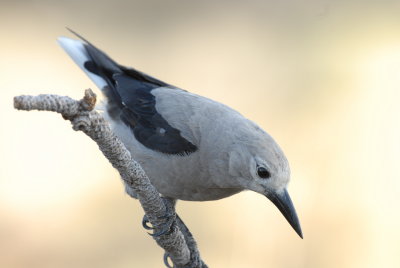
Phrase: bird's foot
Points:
(195, 260)
(168, 219)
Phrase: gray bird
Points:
(191, 147)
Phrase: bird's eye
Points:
(263, 173)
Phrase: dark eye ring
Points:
(263, 173)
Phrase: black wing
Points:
(129, 97)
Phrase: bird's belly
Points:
(190, 193)
(181, 177)
(185, 186)
(176, 176)
(208, 194)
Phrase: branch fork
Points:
(178, 243)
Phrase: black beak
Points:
(283, 202)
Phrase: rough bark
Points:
(178, 243)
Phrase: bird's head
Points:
(259, 164)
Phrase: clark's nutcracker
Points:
(191, 147)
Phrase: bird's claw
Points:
(166, 256)
(145, 222)
(167, 226)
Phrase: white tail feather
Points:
(76, 50)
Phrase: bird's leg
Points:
(168, 217)
(195, 260)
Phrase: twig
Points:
(183, 253)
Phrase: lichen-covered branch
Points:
(183, 253)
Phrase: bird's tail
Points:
(96, 64)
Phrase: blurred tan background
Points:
(323, 77)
